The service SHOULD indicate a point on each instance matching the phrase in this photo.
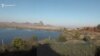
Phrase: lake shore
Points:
(29, 26)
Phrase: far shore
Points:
(29, 26)
(38, 28)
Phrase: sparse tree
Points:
(98, 27)
(41, 23)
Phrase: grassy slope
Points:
(74, 49)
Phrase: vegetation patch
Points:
(74, 49)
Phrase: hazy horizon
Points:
(66, 13)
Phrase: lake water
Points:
(8, 34)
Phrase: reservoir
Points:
(8, 34)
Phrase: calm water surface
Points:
(8, 34)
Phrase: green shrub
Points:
(46, 41)
(18, 43)
(33, 41)
(87, 39)
(34, 38)
(77, 35)
(61, 38)
(3, 48)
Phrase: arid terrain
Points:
(28, 26)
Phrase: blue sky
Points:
(55, 12)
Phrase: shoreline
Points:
(35, 28)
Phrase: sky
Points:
(54, 12)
